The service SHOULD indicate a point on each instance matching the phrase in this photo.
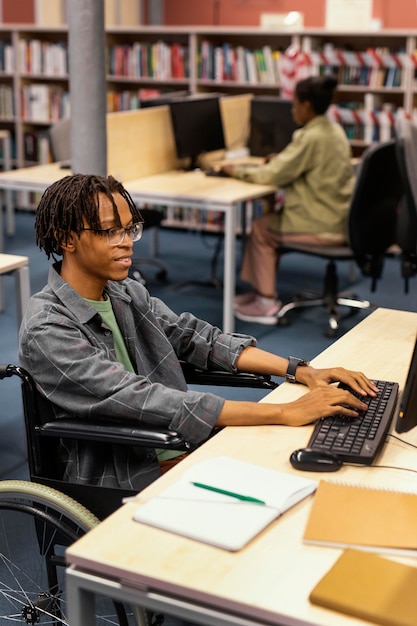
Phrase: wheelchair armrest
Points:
(226, 379)
(107, 431)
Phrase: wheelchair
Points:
(40, 518)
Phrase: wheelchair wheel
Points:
(37, 524)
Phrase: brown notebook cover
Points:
(370, 587)
(371, 519)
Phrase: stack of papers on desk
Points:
(208, 514)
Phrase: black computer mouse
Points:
(309, 460)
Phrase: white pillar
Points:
(87, 86)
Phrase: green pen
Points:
(238, 496)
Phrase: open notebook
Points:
(226, 521)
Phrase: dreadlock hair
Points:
(70, 202)
(318, 90)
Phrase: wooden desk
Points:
(18, 266)
(172, 189)
(268, 582)
(36, 178)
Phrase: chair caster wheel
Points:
(333, 328)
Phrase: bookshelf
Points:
(375, 79)
(377, 73)
(239, 60)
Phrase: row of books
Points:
(210, 220)
(7, 57)
(239, 64)
(375, 67)
(12, 138)
(361, 133)
(189, 217)
(36, 147)
(365, 76)
(44, 103)
(158, 60)
(7, 109)
(365, 121)
(43, 57)
(372, 57)
(127, 100)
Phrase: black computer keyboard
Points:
(358, 439)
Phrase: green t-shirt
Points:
(106, 311)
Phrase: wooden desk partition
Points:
(235, 112)
(140, 143)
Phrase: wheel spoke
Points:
(36, 525)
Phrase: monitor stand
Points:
(193, 165)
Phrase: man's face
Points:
(91, 261)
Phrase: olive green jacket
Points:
(316, 173)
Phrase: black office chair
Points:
(406, 144)
(372, 231)
(60, 146)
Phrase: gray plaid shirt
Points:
(70, 353)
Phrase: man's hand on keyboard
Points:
(322, 402)
(313, 378)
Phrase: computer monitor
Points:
(271, 125)
(197, 126)
(407, 416)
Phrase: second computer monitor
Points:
(271, 125)
(407, 414)
(197, 126)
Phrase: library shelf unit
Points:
(376, 70)
(376, 79)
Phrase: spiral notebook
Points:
(362, 517)
(206, 513)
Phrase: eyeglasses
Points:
(115, 236)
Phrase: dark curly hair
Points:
(70, 202)
(318, 90)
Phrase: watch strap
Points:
(293, 363)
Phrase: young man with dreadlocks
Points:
(97, 344)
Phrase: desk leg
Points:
(2, 192)
(10, 221)
(7, 194)
(22, 291)
(80, 602)
(229, 272)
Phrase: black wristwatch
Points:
(293, 363)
